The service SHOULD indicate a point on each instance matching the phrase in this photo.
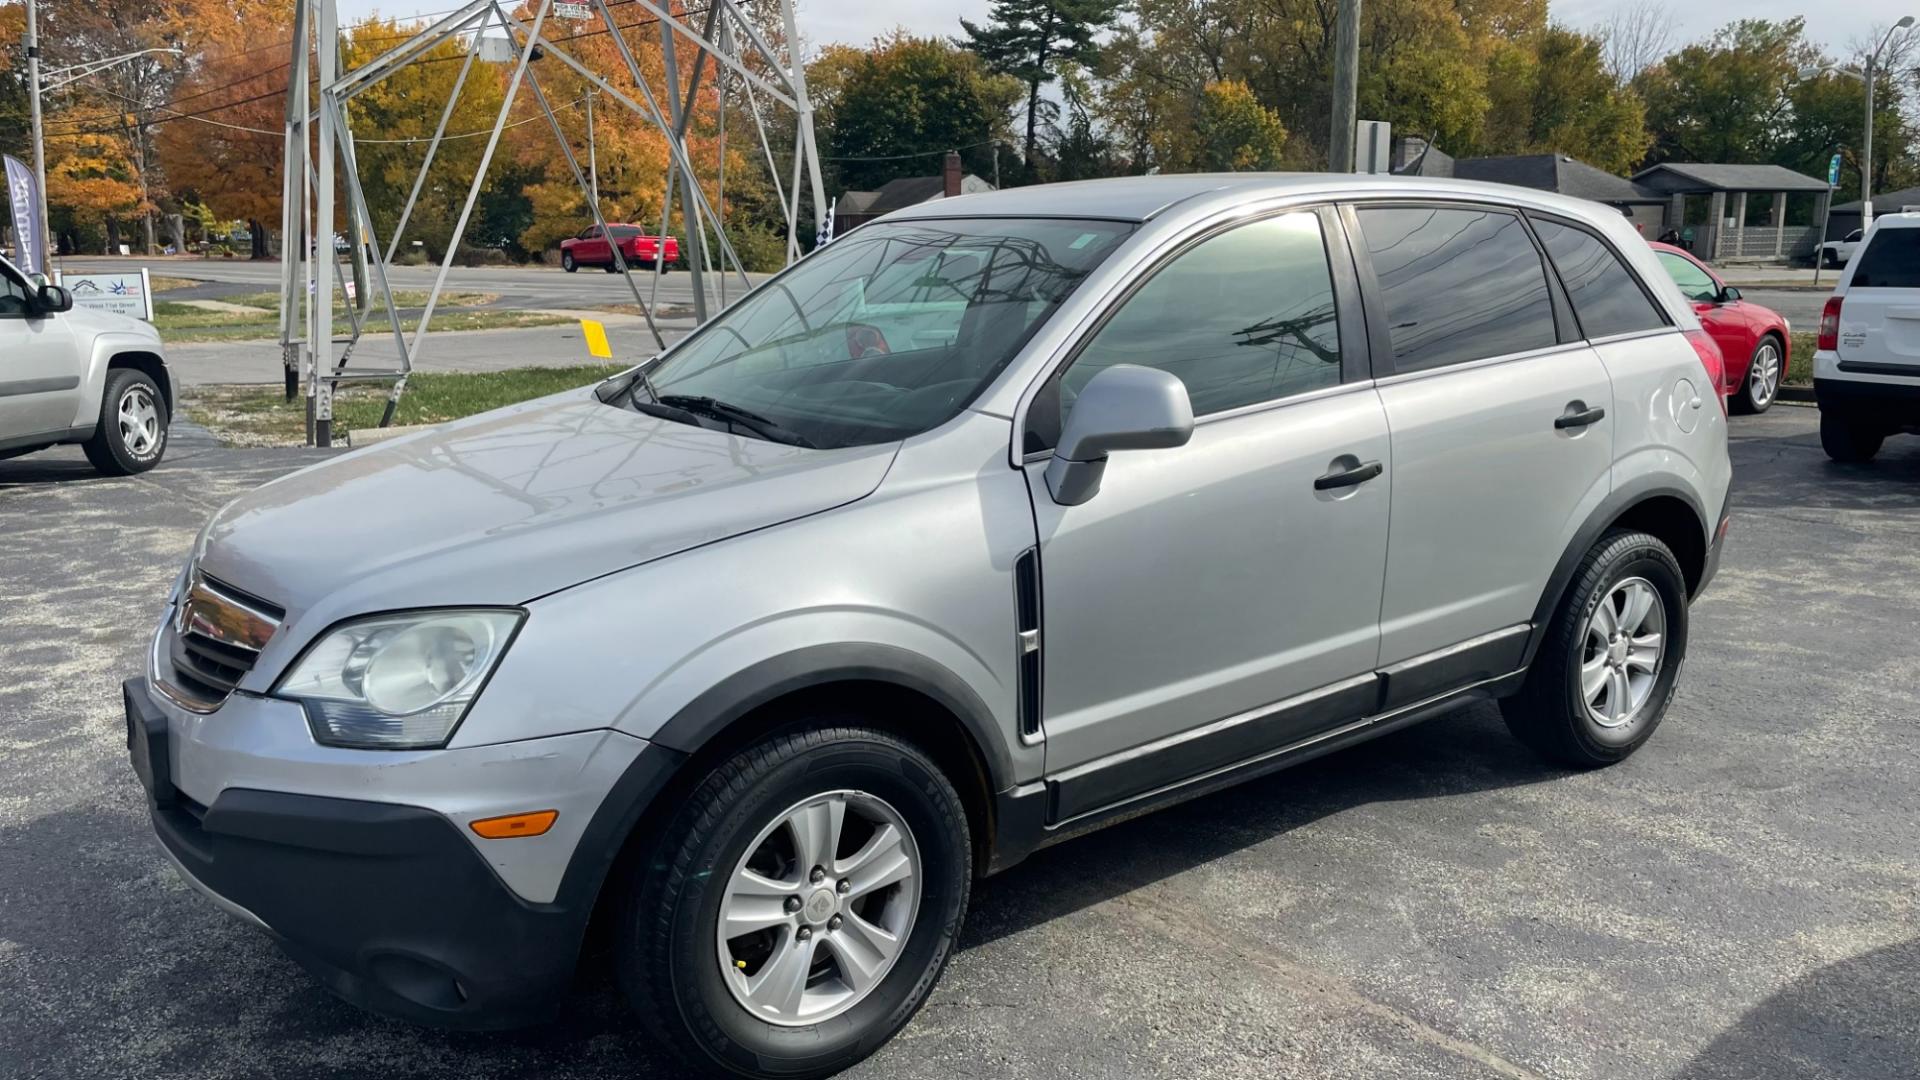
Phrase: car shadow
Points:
(1778, 464)
(1852, 1020)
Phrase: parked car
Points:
(641, 250)
(1753, 338)
(1866, 363)
(767, 649)
(72, 375)
(1835, 253)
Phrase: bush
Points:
(468, 255)
(412, 256)
(760, 247)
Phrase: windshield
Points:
(887, 332)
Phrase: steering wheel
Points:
(864, 340)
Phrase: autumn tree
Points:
(1032, 39)
(90, 177)
(1235, 133)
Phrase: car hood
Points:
(508, 506)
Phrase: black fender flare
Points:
(740, 693)
(1611, 509)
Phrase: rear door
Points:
(1880, 317)
(1502, 438)
(40, 368)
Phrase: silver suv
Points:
(78, 376)
(996, 520)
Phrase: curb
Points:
(1799, 395)
(369, 436)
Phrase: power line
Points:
(916, 154)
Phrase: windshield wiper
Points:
(733, 414)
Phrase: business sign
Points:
(1833, 171)
(565, 10)
(128, 294)
(23, 199)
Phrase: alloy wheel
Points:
(139, 420)
(817, 911)
(1765, 377)
(1625, 647)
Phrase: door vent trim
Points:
(1026, 606)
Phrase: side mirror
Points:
(1728, 294)
(1125, 407)
(52, 300)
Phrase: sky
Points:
(857, 22)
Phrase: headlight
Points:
(398, 682)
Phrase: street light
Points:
(39, 83)
(1866, 137)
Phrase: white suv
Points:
(1866, 366)
(86, 377)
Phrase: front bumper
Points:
(391, 905)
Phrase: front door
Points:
(1501, 438)
(39, 367)
(1216, 579)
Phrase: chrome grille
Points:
(215, 635)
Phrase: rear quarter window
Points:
(1890, 261)
(1606, 297)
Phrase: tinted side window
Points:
(13, 296)
(1243, 317)
(1695, 283)
(1606, 297)
(1891, 261)
(1459, 284)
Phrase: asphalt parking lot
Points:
(1741, 899)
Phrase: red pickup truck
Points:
(640, 249)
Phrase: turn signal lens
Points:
(1829, 339)
(532, 823)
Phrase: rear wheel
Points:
(1764, 372)
(799, 908)
(1604, 675)
(567, 263)
(133, 425)
(1848, 438)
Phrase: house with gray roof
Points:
(1727, 230)
(855, 208)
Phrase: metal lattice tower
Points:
(321, 166)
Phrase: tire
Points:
(669, 950)
(1848, 438)
(1554, 713)
(567, 262)
(1761, 388)
(132, 435)
(611, 268)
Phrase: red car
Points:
(1753, 339)
(640, 249)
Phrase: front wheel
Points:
(801, 905)
(567, 263)
(133, 425)
(1604, 675)
(1848, 438)
(1762, 384)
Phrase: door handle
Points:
(1578, 419)
(1359, 474)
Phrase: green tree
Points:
(1727, 98)
(894, 109)
(1550, 92)
(1032, 39)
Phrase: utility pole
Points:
(1346, 86)
(593, 159)
(39, 135)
